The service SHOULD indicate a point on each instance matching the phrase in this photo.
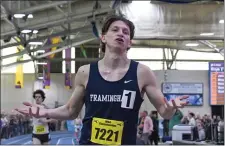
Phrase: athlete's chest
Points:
(113, 75)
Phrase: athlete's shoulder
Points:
(145, 73)
(84, 69)
(144, 69)
(82, 74)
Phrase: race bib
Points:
(39, 129)
(106, 132)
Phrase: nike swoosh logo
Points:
(127, 81)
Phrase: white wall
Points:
(12, 97)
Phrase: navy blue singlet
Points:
(116, 100)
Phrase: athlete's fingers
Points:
(184, 103)
(37, 112)
(27, 104)
(184, 97)
(24, 112)
(174, 103)
(30, 112)
(166, 102)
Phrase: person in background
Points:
(155, 134)
(198, 117)
(41, 132)
(185, 120)
(147, 128)
(175, 120)
(201, 131)
(214, 119)
(165, 124)
(77, 132)
(208, 130)
(141, 123)
(192, 121)
(221, 129)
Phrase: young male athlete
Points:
(40, 134)
(111, 105)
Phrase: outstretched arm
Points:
(48, 121)
(73, 107)
(67, 111)
(165, 109)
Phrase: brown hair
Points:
(112, 19)
(41, 92)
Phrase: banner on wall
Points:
(19, 70)
(193, 90)
(68, 78)
(47, 67)
(54, 40)
(216, 83)
(46, 76)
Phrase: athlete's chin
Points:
(120, 48)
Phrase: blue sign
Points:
(193, 90)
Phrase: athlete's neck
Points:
(114, 60)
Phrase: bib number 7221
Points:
(106, 132)
(107, 135)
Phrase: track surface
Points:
(57, 138)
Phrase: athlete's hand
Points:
(177, 102)
(32, 110)
(174, 104)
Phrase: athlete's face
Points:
(117, 36)
(38, 98)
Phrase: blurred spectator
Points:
(147, 129)
(165, 124)
(185, 120)
(175, 120)
(192, 121)
(201, 131)
(155, 134)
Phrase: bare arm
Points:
(73, 107)
(154, 93)
(48, 121)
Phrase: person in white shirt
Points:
(192, 121)
(40, 134)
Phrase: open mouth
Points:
(119, 40)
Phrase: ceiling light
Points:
(30, 16)
(23, 15)
(35, 31)
(41, 63)
(40, 78)
(206, 34)
(35, 43)
(192, 45)
(221, 21)
(40, 51)
(26, 31)
(19, 15)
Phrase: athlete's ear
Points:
(103, 38)
(129, 44)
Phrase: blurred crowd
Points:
(206, 128)
(16, 124)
